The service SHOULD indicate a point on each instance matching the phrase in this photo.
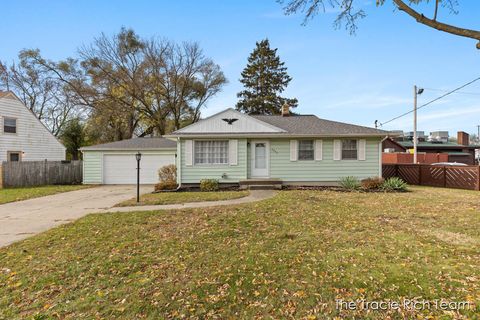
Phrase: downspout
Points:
(380, 156)
(83, 166)
(178, 159)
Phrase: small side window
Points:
(10, 125)
(14, 156)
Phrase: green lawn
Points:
(183, 197)
(288, 257)
(17, 194)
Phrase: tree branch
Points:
(420, 18)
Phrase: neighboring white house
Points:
(22, 136)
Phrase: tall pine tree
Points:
(264, 78)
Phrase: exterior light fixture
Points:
(138, 157)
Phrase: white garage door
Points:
(121, 168)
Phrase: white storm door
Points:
(260, 159)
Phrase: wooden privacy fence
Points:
(461, 177)
(37, 173)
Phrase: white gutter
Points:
(268, 135)
(380, 156)
(178, 159)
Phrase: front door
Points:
(260, 158)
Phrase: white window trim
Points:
(233, 152)
(362, 149)
(293, 150)
(318, 150)
(188, 153)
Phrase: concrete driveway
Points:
(22, 219)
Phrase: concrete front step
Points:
(261, 187)
(260, 182)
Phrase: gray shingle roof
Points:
(312, 125)
(136, 144)
(433, 145)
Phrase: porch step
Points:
(260, 182)
(262, 187)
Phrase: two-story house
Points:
(22, 136)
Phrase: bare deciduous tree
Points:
(150, 86)
(184, 79)
(44, 95)
(349, 14)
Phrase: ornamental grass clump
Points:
(350, 183)
(394, 184)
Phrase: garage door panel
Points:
(121, 168)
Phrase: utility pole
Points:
(415, 124)
(415, 138)
(478, 133)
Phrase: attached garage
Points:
(115, 163)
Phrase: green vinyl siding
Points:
(326, 170)
(92, 167)
(194, 173)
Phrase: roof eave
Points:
(270, 135)
(127, 149)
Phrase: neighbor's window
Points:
(349, 149)
(305, 150)
(13, 156)
(10, 125)
(211, 152)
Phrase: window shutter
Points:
(337, 149)
(293, 150)
(318, 149)
(233, 152)
(188, 152)
(361, 149)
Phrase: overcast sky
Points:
(336, 76)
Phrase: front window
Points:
(10, 125)
(305, 150)
(349, 149)
(211, 152)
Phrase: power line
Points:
(432, 101)
(461, 92)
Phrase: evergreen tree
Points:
(264, 78)
(73, 138)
